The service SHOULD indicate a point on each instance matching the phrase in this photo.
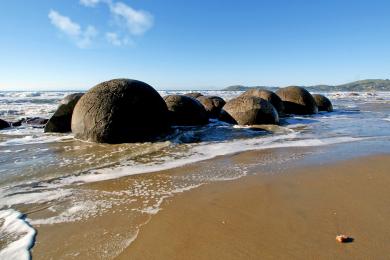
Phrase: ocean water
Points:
(51, 173)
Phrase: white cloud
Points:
(89, 3)
(137, 21)
(83, 38)
(64, 24)
(113, 39)
(116, 40)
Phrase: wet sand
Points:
(295, 214)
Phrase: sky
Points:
(172, 44)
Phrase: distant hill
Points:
(361, 85)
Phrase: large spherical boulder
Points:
(193, 94)
(297, 100)
(267, 95)
(186, 111)
(249, 110)
(323, 103)
(60, 122)
(4, 124)
(120, 111)
(212, 104)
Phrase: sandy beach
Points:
(290, 210)
(292, 215)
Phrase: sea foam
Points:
(15, 226)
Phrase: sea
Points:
(46, 178)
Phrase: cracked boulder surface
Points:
(120, 111)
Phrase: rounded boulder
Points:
(297, 100)
(249, 110)
(185, 111)
(193, 94)
(120, 111)
(323, 103)
(212, 104)
(4, 124)
(267, 95)
(61, 121)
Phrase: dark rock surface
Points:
(249, 110)
(186, 111)
(36, 121)
(4, 124)
(119, 111)
(61, 121)
(193, 94)
(323, 103)
(297, 100)
(212, 104)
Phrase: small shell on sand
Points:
(344, 239)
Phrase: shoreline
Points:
(295, 214)
(88, 238)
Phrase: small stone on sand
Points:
(344, 239)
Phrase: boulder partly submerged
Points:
(323, 103)
(4, 124)
(61, 121)
(185, 111)
(212, 104)
(297, 100)
(193, 94)
(249, 110)
(267, 95)
(120, 111)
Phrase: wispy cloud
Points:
(137, 22)
(128, 24)
(89, 3)
(117, 40)
(82, 38)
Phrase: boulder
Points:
(4, 124)
(267, 95)
(61, 121)
(35, 121)
(212, 104)
(186, 111)
(297, 100)
(193, 94)
(323, 103)
(120, 111)
(249, 110)
(18, 123)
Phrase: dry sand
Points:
(293, 215)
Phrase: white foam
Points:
(16, 226)
(8, 200)
(35, 139)
(204, 152)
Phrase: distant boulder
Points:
(186, 111)
(61, 121)
(267, 95)
(120, 111)
(249, 110)
(4, 124)
(35, 121)
(193, 94)
(297, 100)
(212, 104)
(323, 103)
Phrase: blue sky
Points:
(75, 44)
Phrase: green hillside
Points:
(361, 85)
